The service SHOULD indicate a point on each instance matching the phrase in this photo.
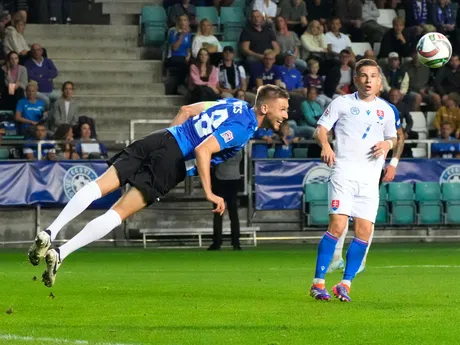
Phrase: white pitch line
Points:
(11, 337)
(417, 266)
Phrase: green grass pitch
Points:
(409, 294)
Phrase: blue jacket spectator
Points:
(284, 150)
(441, 16)
(29, 110)
(290, 76)
(41, 69)
(31, 149)
(180, 39)
(266, 72)
(445, 149)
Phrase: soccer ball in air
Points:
(434, 50)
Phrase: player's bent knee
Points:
(337, 224)
(130, 203)
(109, 181)
(363, 228)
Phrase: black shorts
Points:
(154, 165)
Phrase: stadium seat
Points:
(428, 196)
(451, 197)
(419, 121)
(232, 33)
(239, 3)
(418, 152)
(377, 48)
(229, 15)
(360, 47)
(154, 36)
(207, 12)
(299, 152)
(386, 18)
(271, 153)
(153, 16)
(316, 198)
(382, 213)
(4, 153)
(401, 196)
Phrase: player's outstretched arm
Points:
(390, 170)
(327, 154)
(187, 111)
(203, 154)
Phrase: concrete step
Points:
(123, 8)
(45, 30)
(114, 89)
(96, 53)
(168, 102)
(82, 41)
(110, 77)
(125, 114)
(109, 65)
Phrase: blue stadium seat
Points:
(428, 197)
(207, 12)
(153, 16)
(401, 196)
(315, 195)
(451, 197)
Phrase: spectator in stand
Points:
(339, 80)
(350, 13)
(221, 3)
(66, 150)
(268, 8)
(65, 109)
(395, 41)
(319, 10)
(291, 77)
(60, 11)
(232, 77)
(183, 8)
(447, 82)
(257, 38)
(313, 40)
(416, 13)
(395, 77)
(442, 17)
(41, 70)
(261, 150)
(445, 149)
(284, 149)
(179, 52)
(419, 88)
(372, 30)
(449, 113)
(226, 184)
(396, 98)
(89, 147)
(264, 73)
(335, 40)
(295, 12)
(15, 81)
(15, 41)
(311, 112)
(30, 110)
(204, 79)
(288, 41)
(48, 151)
(313, 79)
(204, 39)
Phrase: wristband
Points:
(390, 142)
(394, 162)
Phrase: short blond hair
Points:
(268, 52)
(32, 83)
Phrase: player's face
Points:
(275, 112)
(368, 80)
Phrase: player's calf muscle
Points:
(363, 229)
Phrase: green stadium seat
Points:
(152, 16)
(271, 153)
(401, 196)
(300, 152)
(154, 36)
(4, 153)
(207, 12)
(451, 197)
(382, 213)
(428, 196)
(232, 33)
(239, 3)
(317, 199)
(230, 15)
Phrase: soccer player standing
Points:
(364, 127)
(201, 136)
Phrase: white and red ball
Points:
(434, 50)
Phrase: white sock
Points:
(75, 206)
(346, 282)
(339, 246)
(369, 243)
(319, 281)
(93, 231)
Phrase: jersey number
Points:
(206, 125)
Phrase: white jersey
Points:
(358, 126)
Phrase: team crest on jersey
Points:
(76, 178)
(227, 135)
(335, 205)
(380, 114)
(354, 111)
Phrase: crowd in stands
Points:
(306, 46)
(30, 109)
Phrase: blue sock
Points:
(326, 250)
(355, 256)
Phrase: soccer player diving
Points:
(365, 131)
(201, 135)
